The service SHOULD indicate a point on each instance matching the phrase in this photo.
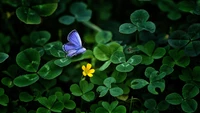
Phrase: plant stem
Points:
(92, 26)
(130, 105)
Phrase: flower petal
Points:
(89, 66)
(84, 74)
(91, 71)
(83, 67)
(90, 74)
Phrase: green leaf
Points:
(150, 104)
(148, 26)
(138, 83)
(45, 9)
(57, 51)
(180, 58)
(103, 37)
(69, 104)
(155, 76)
(86, 55)
(27, 15)
(107, 106)
(159, 53)
(189, 91)
(66, 19)
(21, 110)
(174, 15)
(49, 70)
(1, 91)
(47, 102)
(127, 28)
(147, 60)
(118, 57)
(4, 100)
(85, 86)
(116, 91)
(169, 61)
(136, 111)
(156, 84)
(152, 111)
(28, 60)
(102, 90)
(114, 46)
(135, 60)
(26, 80)
(119, 76)
(25, 97)
(42, 110)
(99, 77)
(40, 37)
(148, 48)
(75, 89)
(139, 16)
(89, 96)
(102, 52)
(194, 31)
(186, 75)
(120, 109)
(3, 57)
(62, 62)
(189, 106)
(114, 104)
(174, 98)
(101, 110)
(57, 107)
(80, 11)
(7, 82)
(53, 45)
(108, 81)
(105, 65)
(166, 68)
(193, 48)
(186, 6)
(195, 73)
(178, 39)
(163, 105)
(124, 67)
(149, 71)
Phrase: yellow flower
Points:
(87, 70)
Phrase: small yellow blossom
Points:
(87, 70)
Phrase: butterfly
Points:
(74, 46)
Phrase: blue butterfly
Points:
(74, 46)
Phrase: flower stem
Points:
(92, 26)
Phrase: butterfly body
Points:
(74, 46)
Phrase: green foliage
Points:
(188, 40)
(150, 52)
(114, 91)
(80, 13)
(111, 108)
(31, 15)
(139, 22)
(28, 60)
(84, 90)
(141, 56)
(3, 57)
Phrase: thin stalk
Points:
(130, 107)
(92, 26)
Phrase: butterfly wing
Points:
(69, 46)
(74, 46)
(72, 53)
(74, 38)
